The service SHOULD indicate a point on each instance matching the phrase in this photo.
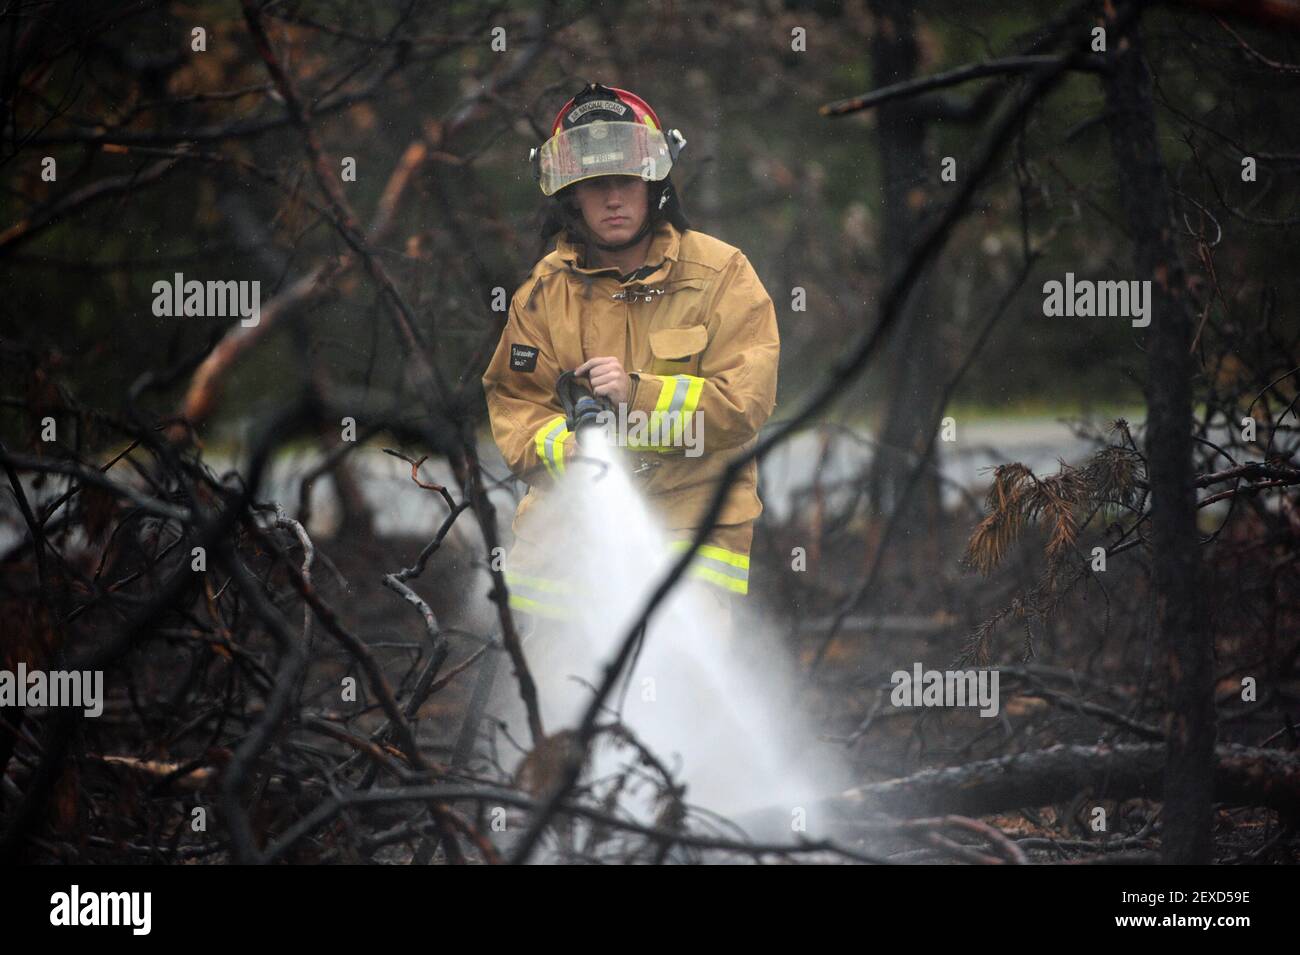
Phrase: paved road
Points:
(964, 463)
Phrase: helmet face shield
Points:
(602, 149)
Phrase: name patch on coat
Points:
(523, 358)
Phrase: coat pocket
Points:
(677, 350)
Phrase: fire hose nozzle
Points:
(582, 409)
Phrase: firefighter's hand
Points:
(608, 379)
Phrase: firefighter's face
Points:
(614, 207)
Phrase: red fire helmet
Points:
(604, 131)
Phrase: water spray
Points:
(725, 723)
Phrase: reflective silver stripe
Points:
(539, 596)
(535, 585)
(537, 608)
(721, 567)
(536, 593)
(560, 426)
(671, 416)
(682, 386)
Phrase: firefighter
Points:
(653, 317)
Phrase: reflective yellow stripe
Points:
(719, 566)
(549, 442)
(536, 607)
(714, 552)
(719, 580)
(538, 595)
(726, 556)
(535, 583)
(693, 395)
(539, 442)
(665, 394)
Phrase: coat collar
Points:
(664, 246)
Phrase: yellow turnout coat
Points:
(697, 333)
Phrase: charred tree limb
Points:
(1243, 776)
(31, 226)
(98, 136)
(1013, 65)
(1284, 14)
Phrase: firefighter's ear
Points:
(562, 203)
